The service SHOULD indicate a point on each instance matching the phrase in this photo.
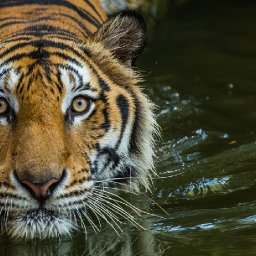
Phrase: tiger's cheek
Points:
(84, 138)
(121, 110)
(5, 156)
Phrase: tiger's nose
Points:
(41, 191)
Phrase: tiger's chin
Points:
(40, 224)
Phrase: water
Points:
(200, 63)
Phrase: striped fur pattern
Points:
(51, 52)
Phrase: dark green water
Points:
(201, 58)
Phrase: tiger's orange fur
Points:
(67, 16)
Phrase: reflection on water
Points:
(127, 243)
(201, 56)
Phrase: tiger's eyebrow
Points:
(4, 72)
(84, 87)
(5, 78)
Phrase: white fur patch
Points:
(40, 224)
(80, 76)
(9, 78)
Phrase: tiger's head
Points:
(72, 121)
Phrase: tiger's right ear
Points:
(124, 35)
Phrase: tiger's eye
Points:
(80, 104)
(4, 106)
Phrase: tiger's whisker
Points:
(93, 225)
(81, 221)
(109, 216)
(122, 201)
(122, 213)
(118, 189)
(90, 207)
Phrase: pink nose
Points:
(41, 190)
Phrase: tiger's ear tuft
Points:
(124, 35)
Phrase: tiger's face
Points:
(72, 121)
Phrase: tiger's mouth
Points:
(40, 223)
(39, 215)
(61, 217)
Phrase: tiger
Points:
(74, 120)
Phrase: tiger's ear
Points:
(124, 35)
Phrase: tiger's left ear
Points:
(124, 35)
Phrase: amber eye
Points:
(80, 104)
(4, 106)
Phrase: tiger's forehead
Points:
(68, 76)
(59, 61)
(47, 83)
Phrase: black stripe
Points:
(60, 80)
(42, 29)
(93, 7)
(134, 143)
(82, 29)
(4, 72)
(111, 155)
(3, 25)
(85, 15)
(105, 88)
(59, 45)
(41, 43)
(66, 58)
(57, 34)
(82, 87)
(59, 86)
(30, 35)
(20, 85)
(29, 84)
(48, 72)
(70, 68)
(106, 124)
(78, 22)
(103, 85)
(40, 54)
(123, 105)
(8, 18)
(16, 39)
